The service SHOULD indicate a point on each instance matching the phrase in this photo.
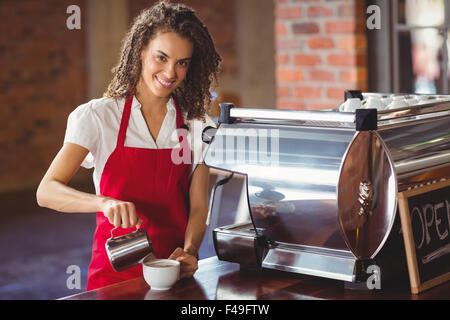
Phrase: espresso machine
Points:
(322, 186)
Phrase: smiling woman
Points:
(194, 93)
(161, 74)
(161, 83)
(169, 71)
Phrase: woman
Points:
(161, 83)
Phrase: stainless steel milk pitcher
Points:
(128, 250)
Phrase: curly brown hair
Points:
(193, 95)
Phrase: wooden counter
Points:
(220, 280)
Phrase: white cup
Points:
(443, 98)
(369, 95)
(161, 274)
(427, 101)
(352, 104)
(374, 103)
(412, 101)
(424, 99)
(398, 102)
(386, 101)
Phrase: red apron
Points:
(159, 189)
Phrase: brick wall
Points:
(42, 78)
(320, 51)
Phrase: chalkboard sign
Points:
(425, 219)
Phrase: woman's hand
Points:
(188, 263)
(121, 213)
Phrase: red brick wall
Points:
(320, 51)
(42, 79)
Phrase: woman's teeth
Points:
(164, 83)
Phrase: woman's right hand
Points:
(121, 213)
(54, 193)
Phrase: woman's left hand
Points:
(188, 262)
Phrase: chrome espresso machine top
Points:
(322, 186)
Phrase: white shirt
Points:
(95, 126)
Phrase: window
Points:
(415, 38)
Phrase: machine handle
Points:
(208, 134)
(213, 192)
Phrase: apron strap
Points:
(124, 121)
(180, 120)
(126, 118)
